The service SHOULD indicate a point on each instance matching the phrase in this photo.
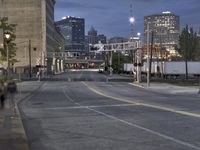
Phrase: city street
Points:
(94, 114)
(99, 75)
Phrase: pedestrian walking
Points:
(39, 75)
(11, 90)
(2, 94)
(134, 74)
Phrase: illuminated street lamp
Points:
(139, 34)
(7, 36)
(131, 20)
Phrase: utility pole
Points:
(30, 69)
(7, 59)
(151, 51)
(111, 69)
(138, 65)
(148, 64)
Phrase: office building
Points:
(92, 36)
(73, 30)
(102, 38)
(117, 40)
(165, 28)
(35, 23)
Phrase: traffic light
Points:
(138, 64)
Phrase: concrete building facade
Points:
(35, 23)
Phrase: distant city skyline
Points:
(112, 17)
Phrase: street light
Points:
(138, 58)
(139, 34)
(132, 20)
(7, 38)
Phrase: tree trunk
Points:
(186, 69)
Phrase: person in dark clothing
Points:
(12, 89)
(2, 94)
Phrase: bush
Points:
(3, 78)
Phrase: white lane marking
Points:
(185, 113)
(92, 106)
(139, 127)
(69, 98)
(147, 130)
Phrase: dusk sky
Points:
(111, 17)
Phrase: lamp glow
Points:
(7, 36)
(131, 20)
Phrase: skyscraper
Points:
(102, 38)
(73, 30)
(165, 28)
(92, 36)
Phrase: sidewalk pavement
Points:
(12, 133)
(168, 88)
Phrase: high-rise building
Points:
(35, 23)
(102, 38)
(117, 40)
(73, 30)
(92, 36)
(165, 28)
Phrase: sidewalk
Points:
(117, 77)
(168, 88)
(12, 134)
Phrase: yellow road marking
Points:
(185, 113)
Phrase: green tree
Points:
(188, 46)
(118, 59)
(10, 28)
(198, 49)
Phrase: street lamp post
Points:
(139, 57)
(7, 37)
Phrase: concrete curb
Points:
(138, 85)
(22, 131)
(169, 89)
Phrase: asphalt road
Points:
(109, 116)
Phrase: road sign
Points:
(1, 38)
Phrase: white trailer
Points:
(172, 68)
(168, 68)
(128, 67)
(179, 68)
(194, 68)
